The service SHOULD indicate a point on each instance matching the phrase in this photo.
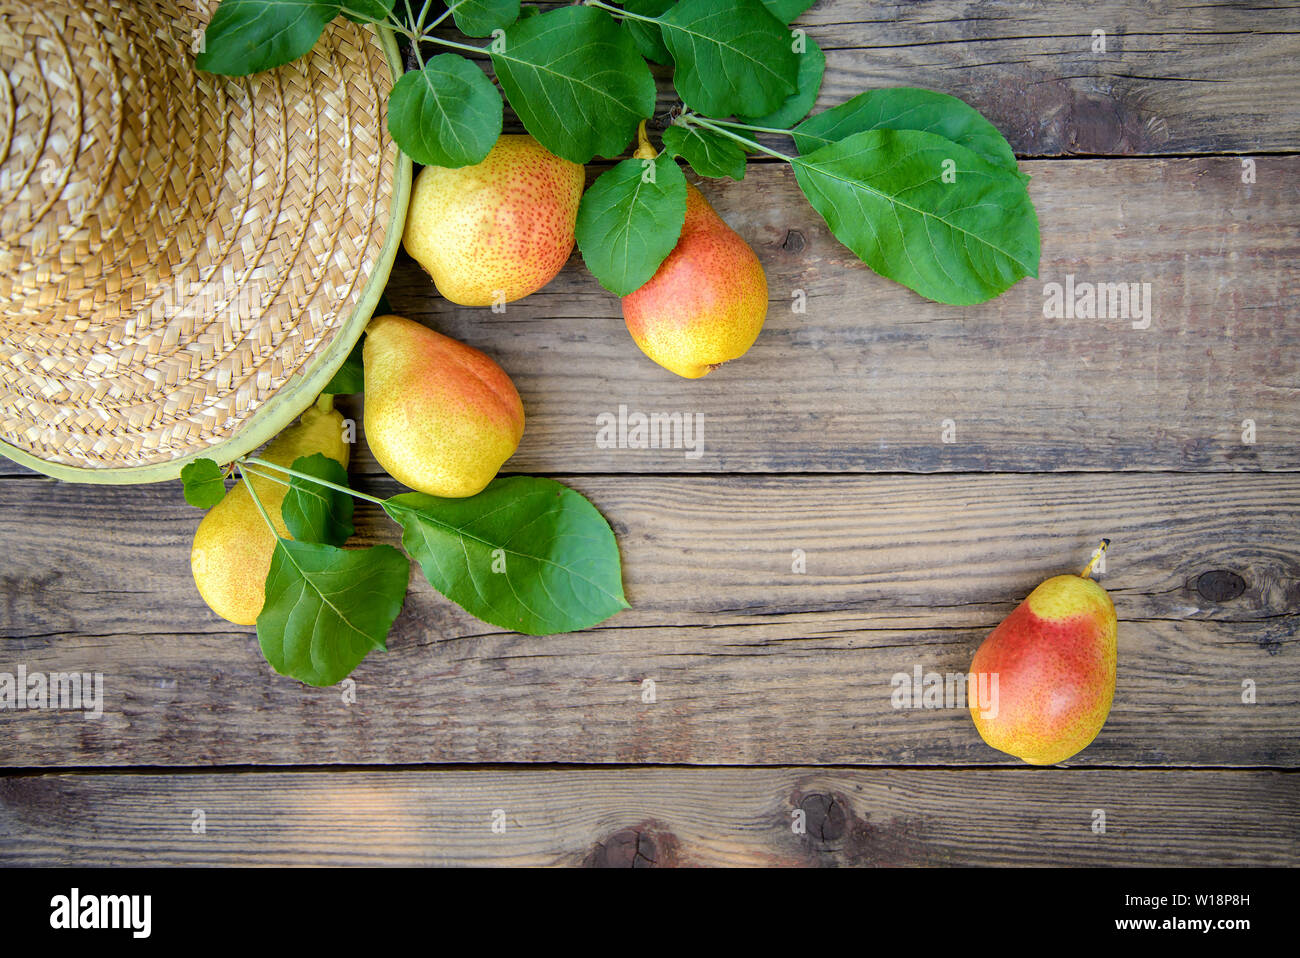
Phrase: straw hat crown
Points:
(184, 258)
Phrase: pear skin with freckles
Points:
(440, 416)
(232, 547)
(497, 230)
(1054, 661)
(706, 303)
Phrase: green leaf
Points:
(367, 11)
(907, 108)
(787, 10)
(648, 37)
(525, 554)
(248, 36)
(478, 18)
(350, 377)
(316, 513)
(447, 114)
(327, 607)
(812, 66)
(731, 56)
(204, 483)
(576, 81)
(884, 196)
(709, 153)
(629, 221)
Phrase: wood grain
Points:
(1173, 77)
(654, 818)
(753, 663)
(864, 380)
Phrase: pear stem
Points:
(644, 148)
(1087, 570)
(325, 402)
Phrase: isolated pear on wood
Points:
(498, 230)
(1054, 660)
(232, 547)
(706, 303)
(441, 417)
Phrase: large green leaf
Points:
(326, 608)
(316, 513)
(731, 56)
(447, 114)
(576, 81)
(203, 483)
(709, 153)
(248, 36)
(647, 36)
(812, 67)
(367, 11)
(525, 554)
(787, 10)
(908, 108)
(885, 195)
(478, 18)
(629, 221)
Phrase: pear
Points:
(498, 230)
(706, 303)
(1054, 662)
(441, 417)
(232, 547)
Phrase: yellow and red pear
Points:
(1054, 661)
(232, 547)
(440, 416)
(706, 303)
(498, 230)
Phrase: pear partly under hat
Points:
(185, 258)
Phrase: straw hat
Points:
(185, 259)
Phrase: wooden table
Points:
(772, 684)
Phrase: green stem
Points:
(750, 126)
(424, 12)
(252, 491)
(458, 46)
(694, 120)
(619, 11)
(316, 479)
(279, 480)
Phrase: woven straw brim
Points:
(185, 259)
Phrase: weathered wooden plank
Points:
(865, 379)
(1161, 81)
(1169, 75)
(655, 817)
(752, 661)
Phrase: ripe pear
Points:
(498, 230)
(441, 417)
(1054, 659)
(232, 547)
(706, 303)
